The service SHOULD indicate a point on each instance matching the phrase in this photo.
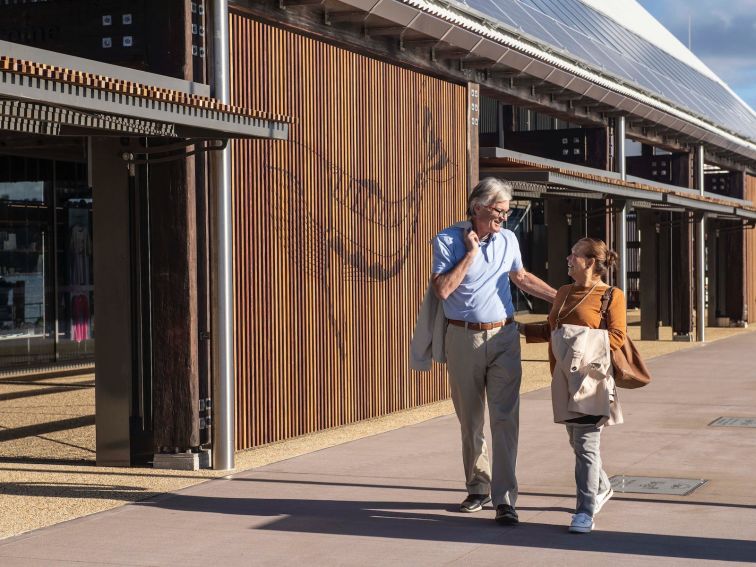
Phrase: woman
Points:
(582, 387)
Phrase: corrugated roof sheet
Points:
(599, 42)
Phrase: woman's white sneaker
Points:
(581, 524)
(602, 498)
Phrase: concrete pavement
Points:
(391, 499)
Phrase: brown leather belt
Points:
(480, 326)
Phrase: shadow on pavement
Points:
(21, 460)
(618, 497)
(75, 490)
(9, 434)
(407, 520)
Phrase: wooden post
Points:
(734, 284)
(712, 272)
(473, 149)
(649, 274)
(538, 246)
(596, 219)
(666, 301)
(174, 305)
(682, 168)
(597, 148)
(738, 184)
(506, 123)
(576, 220)
(682, 280)
(558, 240)
(173, 228)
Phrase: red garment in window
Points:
(79, 318)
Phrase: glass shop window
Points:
(25, 314)
(74, 262)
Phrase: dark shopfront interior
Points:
(46, 271)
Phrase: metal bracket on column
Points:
(173, 152)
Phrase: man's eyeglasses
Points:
(501, 212)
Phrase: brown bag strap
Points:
(606, 299)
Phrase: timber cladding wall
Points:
(750, 254)
(332, 231)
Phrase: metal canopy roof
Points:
(492, 43)
(34, 118)
(556, 179)
(39, 98)
(600, 42)
(564, 179)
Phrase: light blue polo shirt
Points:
(484, 296)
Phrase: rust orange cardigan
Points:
(588, 314)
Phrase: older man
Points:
(472, 267)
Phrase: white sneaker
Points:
(581, 524)
(602, 498)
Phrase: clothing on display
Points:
(79, 261)
(79, 251)
(80, 317)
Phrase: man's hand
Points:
(445, 284)
(472, 242)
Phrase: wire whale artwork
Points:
(355, 218)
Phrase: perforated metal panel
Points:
(655, 485)
(734, 422)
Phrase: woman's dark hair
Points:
(606, 259)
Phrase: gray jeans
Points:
(590, 477)
(485, 366)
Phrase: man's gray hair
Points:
(488, 191)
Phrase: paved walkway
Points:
(390, 499)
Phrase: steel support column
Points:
(223, 327)
(700, 242)
(620, 220)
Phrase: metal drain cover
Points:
(655, 485)
(734, 422)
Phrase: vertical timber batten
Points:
(332, 230)
(749, 265)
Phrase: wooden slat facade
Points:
(332, 230)
(750, 254)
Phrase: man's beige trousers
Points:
(486, 365)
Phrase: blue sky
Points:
(723, 37)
